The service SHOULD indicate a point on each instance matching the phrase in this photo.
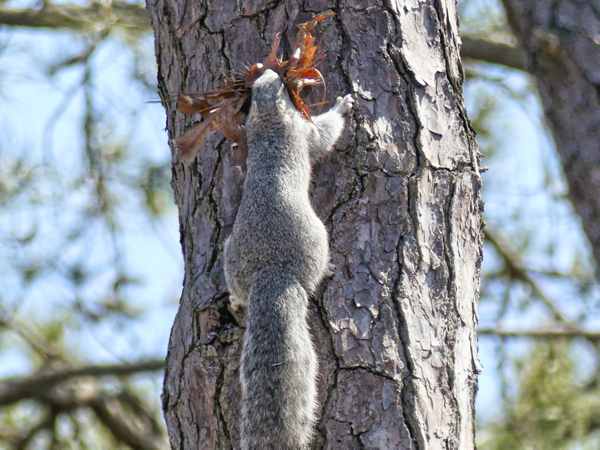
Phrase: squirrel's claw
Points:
(330, 270)
(344, 104)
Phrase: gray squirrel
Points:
(275, 258)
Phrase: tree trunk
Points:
(395, 327)
(561, 39)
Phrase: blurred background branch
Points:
(493, 52)
(551, 331)
(91, 18)
(37, 385)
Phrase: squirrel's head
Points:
(268, 92)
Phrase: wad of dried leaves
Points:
(223, 108)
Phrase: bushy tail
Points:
(279, 366)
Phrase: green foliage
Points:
(553, 408)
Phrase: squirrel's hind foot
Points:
(330, 270)
(236, 303)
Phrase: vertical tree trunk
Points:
(561, 39)
(395, 326)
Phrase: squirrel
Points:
(275, 258)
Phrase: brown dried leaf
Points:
(189, 105)
(190, 142)
(231, 126)
(272, 60)
(226, 116)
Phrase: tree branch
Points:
(79, 18)
(553, 331)
(111, 414)
(18, 388)
(515, 270)
(43, 348)
(62, 391)
(126, 15)
(495, 52)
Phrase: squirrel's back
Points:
(276, 225)
(275, 258)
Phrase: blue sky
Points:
(150, 247)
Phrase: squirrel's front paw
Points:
(344, 104)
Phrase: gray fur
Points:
(274, 260)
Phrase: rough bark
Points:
(395, 326)
(563, 48)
